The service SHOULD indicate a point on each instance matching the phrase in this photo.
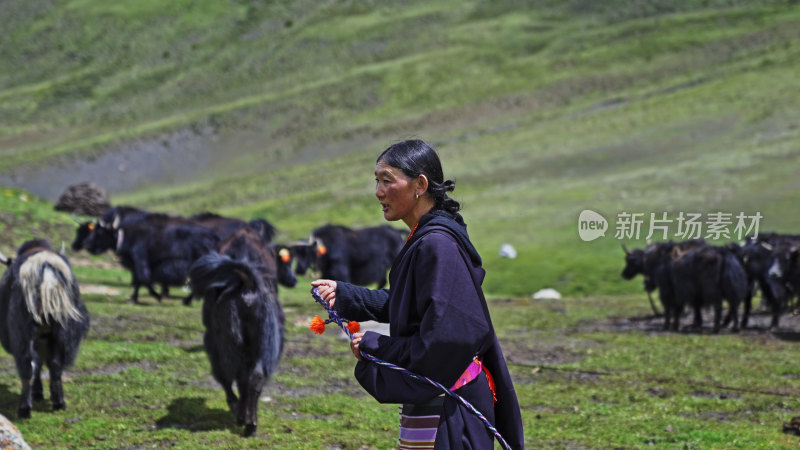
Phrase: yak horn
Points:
(75, 218)
(63, 250)
(4, 259)
(767, 246)
(625, 249)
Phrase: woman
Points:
(438, 319)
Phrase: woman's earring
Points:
(416, 195)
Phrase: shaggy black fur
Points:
(226, 226)
(53, 342)
(243, 318)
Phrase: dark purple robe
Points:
(438, 320)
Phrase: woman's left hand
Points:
(354, 345)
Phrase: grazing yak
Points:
(785, 271)
(228, 226)
(704, 275)
(156, 248)
(42, 319)
(653, 264)
(360, 256)
(766, 261)
(243, 319)
(694, 273)
(97, 242)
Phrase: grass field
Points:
(590, 372)
(540, 110)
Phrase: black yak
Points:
(225, 227)
(694, 273)
(160, 249)
(654, 263)
(155, 247)
(42, 319)
(105, 238)
(243, 319)
(704, 276)
(764, 259)
(360, 256)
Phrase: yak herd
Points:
(231, 264)
(697, 274)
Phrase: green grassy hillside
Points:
(539, 110)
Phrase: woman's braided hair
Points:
(415, 157)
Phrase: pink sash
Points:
(473, 370)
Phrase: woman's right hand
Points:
(327, 290)
(354, 343)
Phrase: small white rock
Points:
(508, 251)
(547, 294)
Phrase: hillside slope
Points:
(540, 110)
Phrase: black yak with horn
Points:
(42, 319)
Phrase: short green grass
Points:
(584, 379)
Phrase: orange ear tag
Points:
(91, 226)
(285, 255)
(321, 250)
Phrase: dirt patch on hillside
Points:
(176, 156)
(758, 325)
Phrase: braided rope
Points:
(334, 317)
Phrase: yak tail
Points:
(215, 271)
(734, 278)
(48, 287)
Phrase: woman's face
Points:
(395, 191)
